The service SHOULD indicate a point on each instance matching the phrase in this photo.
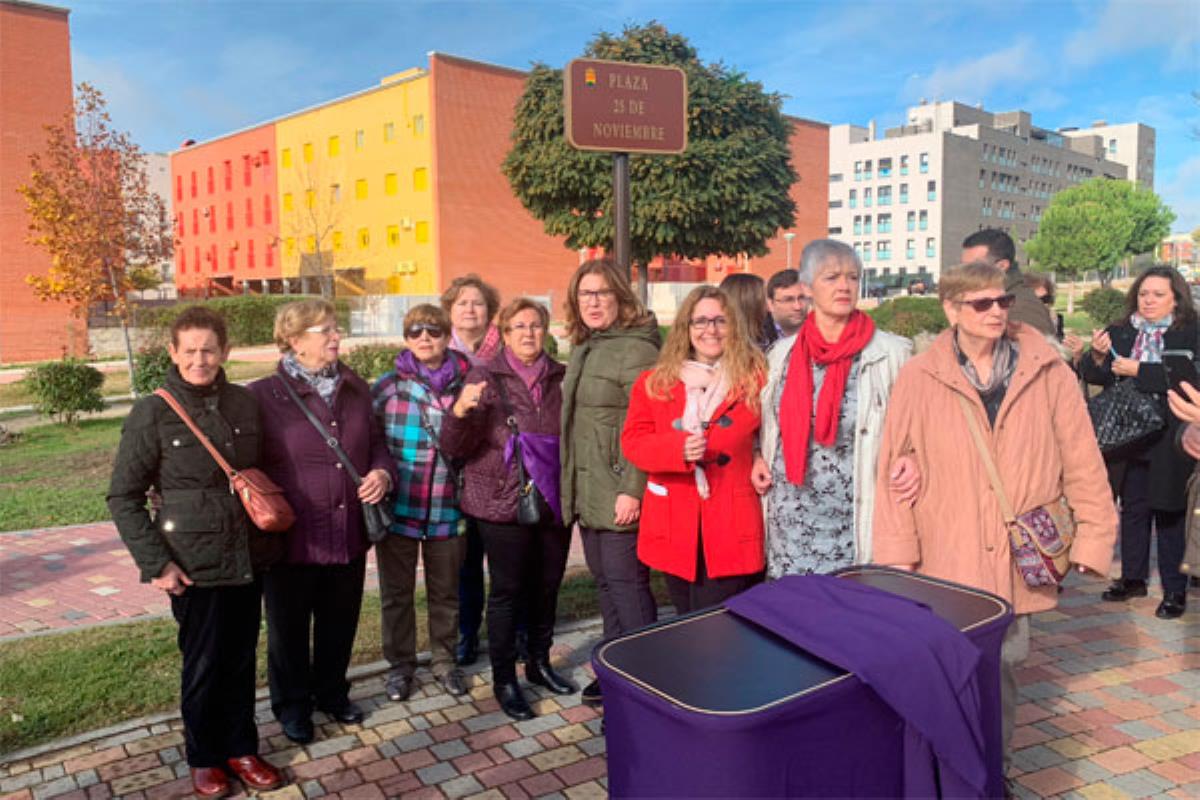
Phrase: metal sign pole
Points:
(621, 216)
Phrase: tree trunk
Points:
(123, 315)
(1071, 297)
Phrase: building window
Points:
(335, 146)
(982, 177)
(853, 199)
(364, 238)
(857, 225)
(360, 138)
(932, 190)
(229, 216)
(418, 125)
(233, 257)
(264, 158)
(247, 170)
(310, 198)
(212, 187)
(912, 220)
(391, 184)
(883, 251)
(228, 176)
(182, 261)
(211, 213)
(910, 248)
(288, 203)
(868, 172)
(270, 259)
(903, 165)
(867, 224)
(196, 264)
(420, 179)
(422, 232)
(308, 152)
(884, 223)
(867, 197)
(866, 251)
(1112, 146)
(885, 195)
(835, 177)
(310, 243)
(335, 192)
(337, 240)
(393, 235)
(858, 170)
(930, 248)
(267, 210)
(924, 162)
(885, 168)
(923, 220)
(178, 187)
(903, 193)
(389, 131)
(195, 222)
(193, 183)
(360, 189)
(285, 157)
(250, 254)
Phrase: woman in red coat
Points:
(691, 426)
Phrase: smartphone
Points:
(1180, 369)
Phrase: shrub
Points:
(250, 318)
(65, 389)
(150, 367)
(908, 316)
(1104, 305)
(371, 361)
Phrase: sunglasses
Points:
(415, 331)
(1048, 299)
(981, 305)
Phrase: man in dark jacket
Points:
(995, 247)
(200, 547)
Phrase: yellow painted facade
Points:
(354, 184)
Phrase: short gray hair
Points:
(819, 251)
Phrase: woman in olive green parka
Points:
(614, 340)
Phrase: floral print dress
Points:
(810, 528)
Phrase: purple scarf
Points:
(530, 374)
(438, 379)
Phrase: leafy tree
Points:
(91, 208)
(908, 316)
(726, 194)
(1104, 305)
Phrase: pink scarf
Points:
(489, 346)
(706, 389)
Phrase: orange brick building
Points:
(35, 90)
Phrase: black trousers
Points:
(317, 603)
(705, 592)
(1137, 517)
(218, 634)
(470, 584)
(622, 582)
(525, 565)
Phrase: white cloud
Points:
(971, 81)
(1126, 26)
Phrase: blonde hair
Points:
(630, 311)
(523, 304)
(745, 366)
(293, 318)
(972, 277)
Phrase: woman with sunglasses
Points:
(507, 410)
(1026, 403)
(316, 593)
(822, 415)
(411, 402)
(691, 426)
(613, 340)
(1151, 481)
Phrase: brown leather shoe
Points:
(255, 773)
(210, 782)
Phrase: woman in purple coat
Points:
(318, 589)
(511, 408)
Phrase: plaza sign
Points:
(619, 107)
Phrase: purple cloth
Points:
(539, 455)
(869, 632)
(530, 374)
(439, 379)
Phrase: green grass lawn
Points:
(57, 475)
(63, 684)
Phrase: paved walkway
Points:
(1110, 708)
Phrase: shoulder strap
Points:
(510, 417)
(170, 400)
(986, 454)
(329, 440)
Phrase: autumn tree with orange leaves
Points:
(91, 208)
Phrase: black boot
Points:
(1122, 589)
(1172, 606)
(512, 701)
(539, 671)
(592, 695)
(467, 651)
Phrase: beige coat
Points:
(1043, 446)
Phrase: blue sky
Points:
(178, 69)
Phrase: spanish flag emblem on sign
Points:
(589, 77)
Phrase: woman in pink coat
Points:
(1026, 402)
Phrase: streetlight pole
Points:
(787, 237)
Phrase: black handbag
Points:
(532, 508)
(376, 516)
(1124, 418)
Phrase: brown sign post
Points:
(623, 108)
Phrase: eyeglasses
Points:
(326, 330)
(598, 296)
(415, 331)
(982, 304)
(534, 328)
(797, 300)
(702, 323)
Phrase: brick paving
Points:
(1110, 709)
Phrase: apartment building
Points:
(906, 200)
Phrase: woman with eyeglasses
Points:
(472, 305)
(613, 341)
(822, 416)
(317, 591)
(1026, 404)
(411, 401)
(511, 409)
(691, 427)
(1151, 481)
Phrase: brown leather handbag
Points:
(262, 498)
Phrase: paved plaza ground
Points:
(1110, 706)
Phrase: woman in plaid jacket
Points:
(410, 402)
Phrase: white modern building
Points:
(906, 200)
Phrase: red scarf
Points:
(796, 405)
